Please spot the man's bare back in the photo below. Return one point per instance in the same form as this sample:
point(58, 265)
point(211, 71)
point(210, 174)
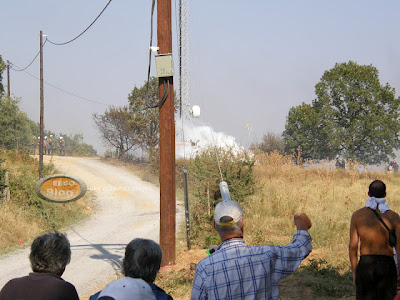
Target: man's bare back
point(374, 238)
point(374, 276)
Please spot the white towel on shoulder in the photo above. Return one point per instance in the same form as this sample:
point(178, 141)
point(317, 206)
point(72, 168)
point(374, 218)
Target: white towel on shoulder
point(373, 203)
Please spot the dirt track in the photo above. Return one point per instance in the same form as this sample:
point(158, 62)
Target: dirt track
point(127, 207)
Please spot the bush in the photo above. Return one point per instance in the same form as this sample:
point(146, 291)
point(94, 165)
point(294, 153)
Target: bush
point(25, 215)
point(204, 176)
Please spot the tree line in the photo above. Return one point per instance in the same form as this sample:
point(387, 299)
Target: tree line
point(18, 132)
point(352, 117)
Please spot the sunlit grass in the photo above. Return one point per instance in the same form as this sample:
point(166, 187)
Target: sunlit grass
point(328, 196)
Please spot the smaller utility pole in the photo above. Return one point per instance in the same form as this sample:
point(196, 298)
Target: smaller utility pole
point(41, 109)
point(8, 78)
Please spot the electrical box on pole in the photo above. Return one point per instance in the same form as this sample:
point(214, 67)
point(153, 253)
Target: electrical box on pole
point(164, 65)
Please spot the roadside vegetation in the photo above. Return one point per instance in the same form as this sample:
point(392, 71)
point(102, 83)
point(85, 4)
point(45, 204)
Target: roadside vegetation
point(272, 187)
point(24, 216)
point(353, 118)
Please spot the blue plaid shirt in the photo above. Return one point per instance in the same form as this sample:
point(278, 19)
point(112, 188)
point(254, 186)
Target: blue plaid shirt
point(238, 271)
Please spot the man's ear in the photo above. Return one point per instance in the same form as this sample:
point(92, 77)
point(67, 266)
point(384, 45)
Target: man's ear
point(384, 195)
point(369, 194)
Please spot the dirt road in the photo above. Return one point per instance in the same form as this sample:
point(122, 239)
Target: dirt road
point(126, 207)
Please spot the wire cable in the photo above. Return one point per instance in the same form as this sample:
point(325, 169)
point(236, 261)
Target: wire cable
point(23, 69)
point(60, 44)
point(64, 91)
point(166, 90)
point(163, 98)
point(146, 95)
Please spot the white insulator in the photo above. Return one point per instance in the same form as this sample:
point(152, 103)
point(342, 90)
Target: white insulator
point(196, 111)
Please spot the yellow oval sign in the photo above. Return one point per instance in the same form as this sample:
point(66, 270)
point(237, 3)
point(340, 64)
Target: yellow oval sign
point(60, 188)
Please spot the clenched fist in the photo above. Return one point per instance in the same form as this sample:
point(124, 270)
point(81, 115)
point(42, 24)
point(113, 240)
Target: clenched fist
point(302, 222)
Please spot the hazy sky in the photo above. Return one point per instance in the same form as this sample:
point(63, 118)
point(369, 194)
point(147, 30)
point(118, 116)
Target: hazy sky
point(249, 61)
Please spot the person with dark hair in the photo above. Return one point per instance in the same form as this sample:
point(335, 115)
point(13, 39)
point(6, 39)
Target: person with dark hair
point(143, 260)
point(50, 253)
point(377, 229)
point(238, 271)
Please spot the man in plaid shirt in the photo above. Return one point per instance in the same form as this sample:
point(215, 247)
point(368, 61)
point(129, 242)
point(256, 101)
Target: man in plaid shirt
point(238, 271)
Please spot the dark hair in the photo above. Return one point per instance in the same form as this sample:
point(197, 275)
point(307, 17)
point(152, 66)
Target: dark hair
point(377, 189)
point(50, 253)
point(142, 259)
point(105, 298)
point(234, 228)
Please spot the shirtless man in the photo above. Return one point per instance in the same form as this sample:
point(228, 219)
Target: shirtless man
point(375, 276)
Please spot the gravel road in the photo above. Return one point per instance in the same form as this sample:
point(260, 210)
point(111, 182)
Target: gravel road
point(126, 208)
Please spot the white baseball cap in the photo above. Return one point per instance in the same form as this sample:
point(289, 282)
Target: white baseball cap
point(127, 288)
point(228, 209)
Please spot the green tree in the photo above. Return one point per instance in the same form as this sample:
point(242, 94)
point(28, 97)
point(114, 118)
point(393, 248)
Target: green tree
point(145, 117)
point(353, 117)
point(304, 129)
point(270, 142)
point(2, 68)
point(16, 129)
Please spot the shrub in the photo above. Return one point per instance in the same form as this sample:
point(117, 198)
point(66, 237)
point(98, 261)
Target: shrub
point(204, 174)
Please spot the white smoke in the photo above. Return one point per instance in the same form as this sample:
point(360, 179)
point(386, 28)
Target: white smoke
point(201, 137)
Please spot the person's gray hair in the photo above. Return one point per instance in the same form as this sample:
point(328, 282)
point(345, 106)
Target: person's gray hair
point(142, 259)
point(233, 229)
point(50, 253)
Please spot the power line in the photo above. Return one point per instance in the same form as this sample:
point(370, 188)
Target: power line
point(60, 44)
point(146, 96)
point(23, 69)
point(64, 91)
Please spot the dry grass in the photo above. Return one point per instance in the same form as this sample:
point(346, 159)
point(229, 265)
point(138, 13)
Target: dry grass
point(25, 216)
point(19, 226)
point(142, 170)
point(327, 196)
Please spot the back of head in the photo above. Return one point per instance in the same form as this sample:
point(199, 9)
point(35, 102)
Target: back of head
point(228, 217)
point(50, 253)
point(127, 288)
point(377, 189)
point(142, 259)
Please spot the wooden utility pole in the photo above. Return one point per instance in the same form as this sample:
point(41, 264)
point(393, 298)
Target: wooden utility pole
point(41, 109)
point(8, 78)
point(167, 140)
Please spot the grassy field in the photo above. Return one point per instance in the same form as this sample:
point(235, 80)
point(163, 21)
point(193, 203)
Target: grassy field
point(327, 196)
